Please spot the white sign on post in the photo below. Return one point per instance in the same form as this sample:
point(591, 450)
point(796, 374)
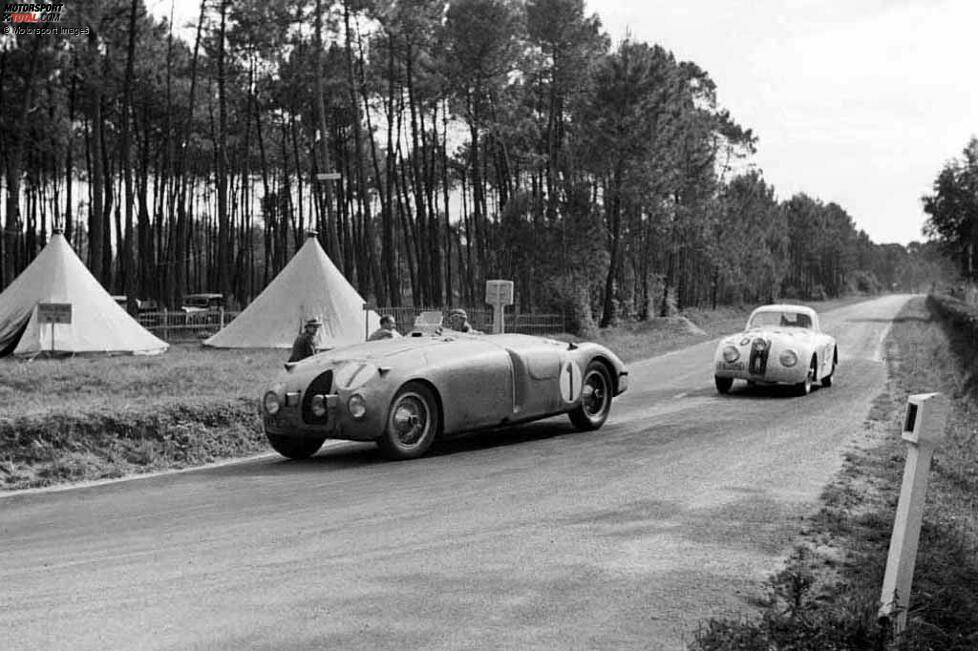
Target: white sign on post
point(499, 294)
point(54, 313)
point(327, 176)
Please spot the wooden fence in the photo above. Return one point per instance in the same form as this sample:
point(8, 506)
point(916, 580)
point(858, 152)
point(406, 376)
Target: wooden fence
point(177, 325)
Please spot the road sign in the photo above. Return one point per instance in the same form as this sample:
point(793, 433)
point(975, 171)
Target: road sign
point(499, 292)
point(328, 176)
point(54, 312)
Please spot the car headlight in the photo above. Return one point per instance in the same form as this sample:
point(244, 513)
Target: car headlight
point(731, 354)
point(357, 406)
point(272, 403)
point(788, 358)
point(318, 406)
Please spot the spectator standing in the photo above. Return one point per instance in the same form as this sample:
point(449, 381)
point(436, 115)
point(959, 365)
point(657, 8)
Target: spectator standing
point(305, 344)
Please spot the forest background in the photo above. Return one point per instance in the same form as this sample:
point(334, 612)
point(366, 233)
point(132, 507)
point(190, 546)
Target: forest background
point(432, 145)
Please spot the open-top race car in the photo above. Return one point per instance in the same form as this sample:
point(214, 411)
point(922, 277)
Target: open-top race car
point(782, 344)
point(404, 393)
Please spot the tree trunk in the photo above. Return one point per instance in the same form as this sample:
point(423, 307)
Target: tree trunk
point(126, 245)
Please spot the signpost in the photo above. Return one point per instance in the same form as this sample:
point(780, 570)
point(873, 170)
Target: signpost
point(499, 294)
point(923, 430)
point(53, 313)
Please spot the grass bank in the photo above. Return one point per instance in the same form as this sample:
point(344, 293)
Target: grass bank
point(827, 595)
point(88, 418)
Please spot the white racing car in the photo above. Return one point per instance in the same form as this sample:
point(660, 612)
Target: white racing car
point(782, 344)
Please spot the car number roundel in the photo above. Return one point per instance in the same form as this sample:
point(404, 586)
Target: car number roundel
point(570, 381)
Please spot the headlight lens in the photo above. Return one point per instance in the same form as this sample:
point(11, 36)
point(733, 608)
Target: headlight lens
point(318, 406)
point(788, 358)
point(272, 403)
point(357, 405)
point(731, 354)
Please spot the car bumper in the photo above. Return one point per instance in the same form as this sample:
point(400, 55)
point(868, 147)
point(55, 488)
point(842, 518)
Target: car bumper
point(773, 374)
point(338, 423)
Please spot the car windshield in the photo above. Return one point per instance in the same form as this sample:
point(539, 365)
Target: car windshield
point(780, 319)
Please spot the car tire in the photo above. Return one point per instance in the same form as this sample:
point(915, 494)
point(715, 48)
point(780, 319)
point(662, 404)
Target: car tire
point(723, 384)
point(827, 380)
point(295, 447)
point(413, 422)
point(595, 398)
point(805, 387)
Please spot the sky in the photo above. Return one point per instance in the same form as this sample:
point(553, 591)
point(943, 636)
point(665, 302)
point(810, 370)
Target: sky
point(860, 103)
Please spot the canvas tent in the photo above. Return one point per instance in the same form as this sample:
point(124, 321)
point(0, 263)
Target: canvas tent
point(98, 324)
point(309, 286)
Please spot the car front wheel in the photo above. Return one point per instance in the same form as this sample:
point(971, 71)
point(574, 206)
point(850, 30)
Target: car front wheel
point(413, 422)
point(805, 387)
point(723, 383)
point(827, 380)
point(595, 398)
point(294, 447)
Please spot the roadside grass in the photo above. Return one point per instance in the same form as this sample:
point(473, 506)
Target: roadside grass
point(827, 594)
point(87, 418)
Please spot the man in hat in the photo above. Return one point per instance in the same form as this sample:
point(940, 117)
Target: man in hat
point(458, 320)
point(305, 344)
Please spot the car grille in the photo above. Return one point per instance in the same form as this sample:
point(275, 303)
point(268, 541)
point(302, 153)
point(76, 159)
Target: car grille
point(321, 385)
point(759, 350)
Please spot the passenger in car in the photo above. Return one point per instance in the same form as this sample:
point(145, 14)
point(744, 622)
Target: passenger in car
point(458, 320)
point(387, 329)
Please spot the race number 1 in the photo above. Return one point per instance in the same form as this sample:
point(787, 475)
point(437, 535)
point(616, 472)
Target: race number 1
point(570, 381)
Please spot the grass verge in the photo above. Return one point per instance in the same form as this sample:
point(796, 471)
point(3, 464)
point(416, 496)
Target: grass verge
point(89, 418)
point(827, 595)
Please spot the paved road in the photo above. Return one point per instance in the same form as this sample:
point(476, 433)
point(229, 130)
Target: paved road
point(540, 537)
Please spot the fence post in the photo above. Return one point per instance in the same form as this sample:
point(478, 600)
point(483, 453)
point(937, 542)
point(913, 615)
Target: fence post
point(923, 430)
point(166, 324)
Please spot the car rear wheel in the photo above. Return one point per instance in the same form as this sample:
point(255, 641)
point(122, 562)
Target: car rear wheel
point(595, 398)
point(805, 387)
point(827, 380)
point(723, 383)
point(413, 422)
point(294, 447)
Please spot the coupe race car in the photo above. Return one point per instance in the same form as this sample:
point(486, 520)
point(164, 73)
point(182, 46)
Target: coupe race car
point(782, 344)
point(404, 393)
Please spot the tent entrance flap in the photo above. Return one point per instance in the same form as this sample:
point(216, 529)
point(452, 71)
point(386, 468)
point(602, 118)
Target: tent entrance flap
point(10, 344)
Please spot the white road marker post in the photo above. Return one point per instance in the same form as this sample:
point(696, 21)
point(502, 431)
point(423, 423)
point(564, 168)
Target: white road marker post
point(923, 430)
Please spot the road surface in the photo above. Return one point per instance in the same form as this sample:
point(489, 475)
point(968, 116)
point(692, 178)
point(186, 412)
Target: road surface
point(538, 537)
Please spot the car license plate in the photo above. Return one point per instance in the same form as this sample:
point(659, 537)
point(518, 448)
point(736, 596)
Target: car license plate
point(730, 366)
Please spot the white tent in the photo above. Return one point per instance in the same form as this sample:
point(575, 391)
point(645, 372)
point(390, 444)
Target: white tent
point(309, 286)
point(98, 324)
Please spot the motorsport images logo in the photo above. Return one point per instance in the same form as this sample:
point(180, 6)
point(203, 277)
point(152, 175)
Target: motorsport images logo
point(26, 13)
